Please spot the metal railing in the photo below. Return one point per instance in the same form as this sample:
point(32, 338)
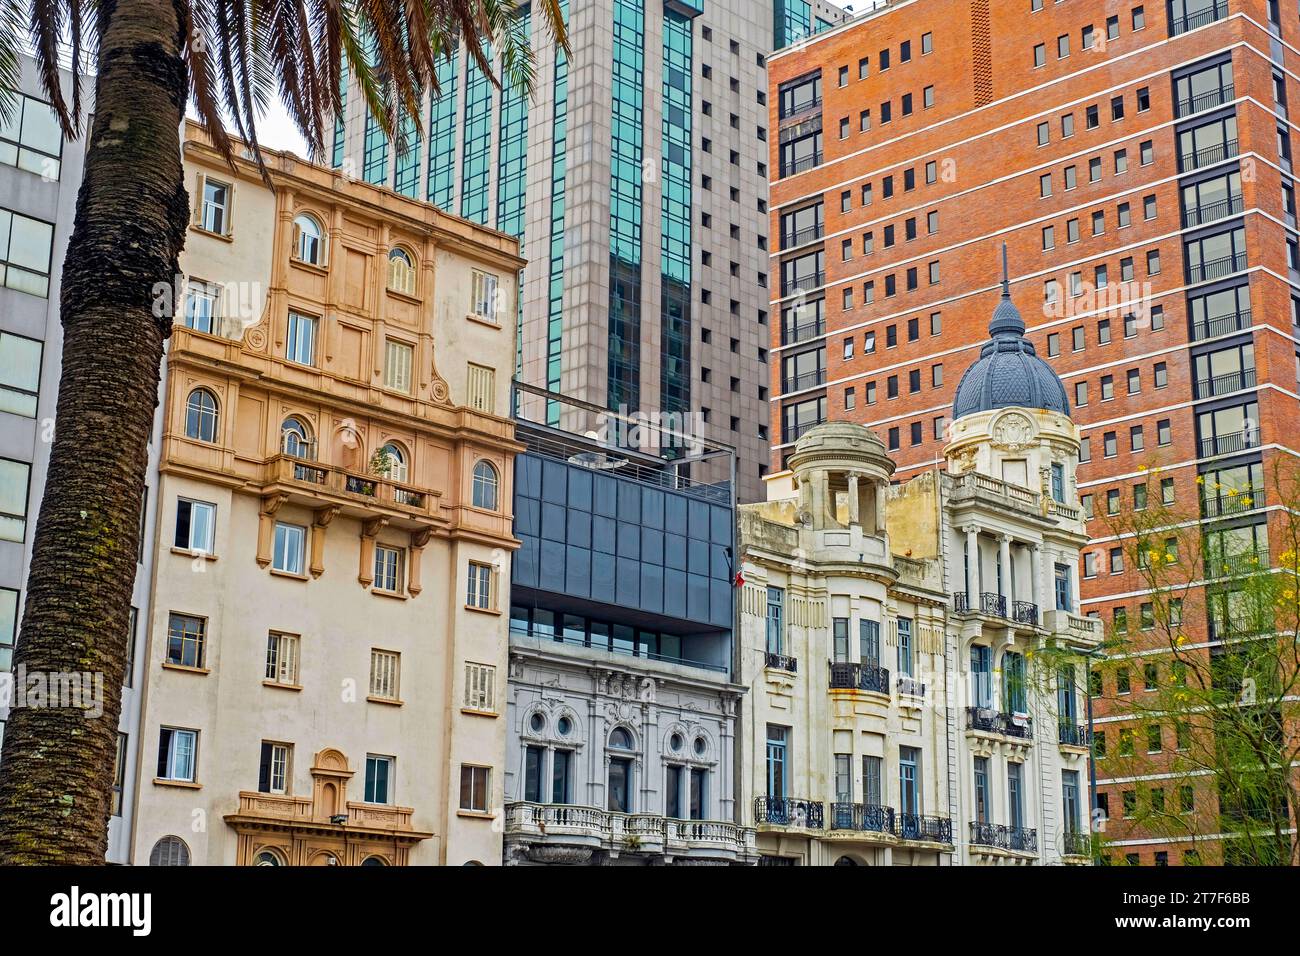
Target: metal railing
point(789, 812)
point(791, 433)
point(866, 817)
point(1199, 215)
point(847, 675)
point(1231, 565)
point(915, 826)
point(796, 383)
point(990, 721)
point(1076, 842)
point(638, 650)
point(1229, 444)
point(1073, 735)
point(644, 831)
point(1221, 325)
point(803, 283)
point(800, 110)
point(1216, 268)
point(797, 332)
point(801, 164)
point(797, 237)
point(1204, 101)
point(782, 662)
point(1207, 155)
point(1024, 612)
point(961, 602)
point(1199, 18)
point(910, 686)
point(1020, 839)
point(1223, 384)
point(1234, 502)
point(994, 605)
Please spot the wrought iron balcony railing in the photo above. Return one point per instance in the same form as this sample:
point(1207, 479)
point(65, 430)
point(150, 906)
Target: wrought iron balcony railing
point(1198, 18)
point(1230, 565)
point(1074, 735)
point(789, 812)
point(1232, 502)
point(1024, 612)
point(995, 605)
point(783, 662)
point(801, 164)
point(865, 817)
point(1230, 443)
point(846, 675)
point(803, 283)
point(1212, 211)
point(915, 826)
point(797, 237)
point(1221, 325)
point(1223, 384)
point(1204, 101)
point(1076, 842)
point(1216, 268)
point(1021, 839)
point(795, 332)
point(991, 721)
point(797, 383)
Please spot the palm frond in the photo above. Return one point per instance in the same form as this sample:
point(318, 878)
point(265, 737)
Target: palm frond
point(13, 35)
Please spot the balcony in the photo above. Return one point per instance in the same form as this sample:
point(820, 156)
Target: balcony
point(1213, 211)
point(1198, 18)
point(1205, 101)
point(791, 433)
point(566, 833)
point(358, 493)
point(1232, 502)
point(800, 165)
point(1080, 631)
point(1216, 268)
point(799, 237)
point(1014, 839)
point(1207, 156)
point(974, 486)
point(1062, 510)
point(1076, 843)
point(781, 662)
point(805, 283)
point(1230, 443)
point(851, 676)
point(1226, 383)
point(862, 818)
point(789, 812)
point(988, 721)
point(1235, 565)
point(993, 605)
point(797, 383)
point(1024, 612)
point(1221, 325)
point(914, 826)
point(1070, 734)
point(795, 332)
point(910, 686)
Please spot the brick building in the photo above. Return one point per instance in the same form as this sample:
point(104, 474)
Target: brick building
point(1135, 157)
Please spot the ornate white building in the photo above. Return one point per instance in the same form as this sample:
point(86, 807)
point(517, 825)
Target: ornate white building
point(946, 724)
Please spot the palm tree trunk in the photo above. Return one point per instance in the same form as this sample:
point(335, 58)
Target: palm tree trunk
point(56, 785)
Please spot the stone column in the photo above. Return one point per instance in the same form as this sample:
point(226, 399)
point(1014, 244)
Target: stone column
point(854, 504)
point(972, 565)
point(1004, 566)
point(1036, 579)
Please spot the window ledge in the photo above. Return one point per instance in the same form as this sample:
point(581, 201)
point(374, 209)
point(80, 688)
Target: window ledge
point(222, 236)
point(289, 574)
point(396, 596)
point(281, 686)
point(476, 814)
point(475, 712)
point(404, 296)
point(181, 784)
point(191, 553)
point(309, 266)
point(169, 666)
point(390, 701)
point(475, 317)
point(483, 610)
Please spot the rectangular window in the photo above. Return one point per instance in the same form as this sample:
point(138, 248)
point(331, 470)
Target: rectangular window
point(909, 785)
point(201, 307)
point(290, 545)
point(25, 246)
point(480, 687)
point(389, 569)
point(20, 374)
point(8, 627)
point(482, 388)
point(474, 788)
point(186, 640)
point(480, 591)
point(775, 620)
point(379, 779)
point(31, 139)
point(385, 674)
point(397, 365)
point(485, 304)
point(282, 658)
point(195, 526)
point(273, 774)
point(905, 646)
point(177, 754)
point(300, 347)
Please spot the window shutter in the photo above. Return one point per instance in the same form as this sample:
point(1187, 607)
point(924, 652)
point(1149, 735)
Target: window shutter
point(164, 746)
point(296, 252)
point(197, 211)
point(264, 770)
point(482, 388)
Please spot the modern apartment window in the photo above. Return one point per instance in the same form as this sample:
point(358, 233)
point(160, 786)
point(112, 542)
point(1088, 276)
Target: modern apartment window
point(1139, 497)
point(1110, 443)
point(31, 139)
point(1153, 262)
point(282, 658)
point(398, 357)
point(1112, 501)
point(1085, 450)
point(215, 212)
point(886, 112)
point(273, 773)
point(1139, 18)
point(1099, 227)
point(1067, 125)
point(844, 76)
point(1040, 55)
point(1126, 274)
point(1053, 344)
point(300, 345)
point(1089, 564)
point(934, 273)
point(385, 674)
point(1049, 238)
point(1094, 175)
point(1044, 134)
point(906, 104)
point(1062, 46)
point(1164, 432)
point(379, 777)
point(1077, 342)
point(1146, 152)
point(1134, 377)
point(927, 97)
point(1070, 177)
point(186, 640)
point(389, 569)
point(1086, 502)
point(177, 754)
point(9, 627)
point(25, 245)
point(1116, 108)
point(20, 374)
point(1116, 560)
point(486, 303)
point(1166, 491)
point(1121, 163)
point(195, 525)
point(290, 547)
point(201, 307)
point(1072, 230)
point(1148, 207)
point(1155, 739)
point(480, 590)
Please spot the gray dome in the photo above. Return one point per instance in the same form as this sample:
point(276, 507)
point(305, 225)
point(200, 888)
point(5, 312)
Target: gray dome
point(1008, 372)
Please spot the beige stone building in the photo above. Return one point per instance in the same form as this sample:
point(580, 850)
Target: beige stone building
point(327, 644)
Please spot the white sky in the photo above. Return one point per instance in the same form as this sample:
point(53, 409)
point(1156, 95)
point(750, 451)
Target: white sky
point(274, 130)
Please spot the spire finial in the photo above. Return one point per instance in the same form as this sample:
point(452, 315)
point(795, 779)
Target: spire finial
point(1006, 320)
point(1006, 281)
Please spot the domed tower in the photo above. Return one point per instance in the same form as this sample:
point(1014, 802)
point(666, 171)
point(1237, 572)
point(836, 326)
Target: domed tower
point(1011, 418)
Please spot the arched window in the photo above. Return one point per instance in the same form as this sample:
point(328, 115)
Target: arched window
point(308, 245)
point(620, 739)
point(485, 486)
point(401, 271)
point(397, 467)
point(170, 851)
point(374, 861)
point(201, 415)
point(619, 789)
point(268, 858)
point(295, 439)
